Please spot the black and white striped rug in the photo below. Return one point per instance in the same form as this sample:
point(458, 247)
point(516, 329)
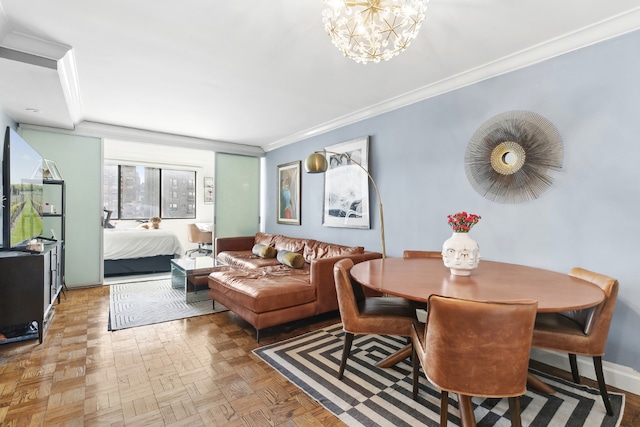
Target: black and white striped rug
point(156, 301)
point(370, 396)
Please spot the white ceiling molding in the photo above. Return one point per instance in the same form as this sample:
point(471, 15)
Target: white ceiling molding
point(604, 30)
point(34, 46)
point(4, 24)
point(69, 82)
point(101, 130)
point(57, 57)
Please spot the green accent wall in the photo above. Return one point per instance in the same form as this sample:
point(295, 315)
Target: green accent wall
point(237, 195)
point(79, 160)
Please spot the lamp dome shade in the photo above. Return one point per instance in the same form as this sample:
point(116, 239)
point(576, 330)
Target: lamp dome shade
point(316, 163)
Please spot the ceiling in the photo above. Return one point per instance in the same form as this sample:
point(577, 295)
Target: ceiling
point(261, 73)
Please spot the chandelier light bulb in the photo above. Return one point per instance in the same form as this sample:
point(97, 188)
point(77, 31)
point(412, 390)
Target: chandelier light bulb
point(373, 30)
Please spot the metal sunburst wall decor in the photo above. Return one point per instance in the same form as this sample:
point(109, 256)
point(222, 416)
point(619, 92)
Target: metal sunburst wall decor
point(511, 157)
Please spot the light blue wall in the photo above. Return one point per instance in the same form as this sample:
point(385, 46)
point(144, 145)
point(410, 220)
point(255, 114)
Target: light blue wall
point(587, 218)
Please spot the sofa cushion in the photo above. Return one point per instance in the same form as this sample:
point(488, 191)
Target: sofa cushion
point(290, 259)
point(264, 251)
point(265, 239)
point(245, 259)
point(316, 249)
point(290, 244)
point(265, 289)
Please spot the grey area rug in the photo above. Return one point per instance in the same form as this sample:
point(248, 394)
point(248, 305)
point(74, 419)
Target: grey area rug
point(370, 396)
point(145, 303)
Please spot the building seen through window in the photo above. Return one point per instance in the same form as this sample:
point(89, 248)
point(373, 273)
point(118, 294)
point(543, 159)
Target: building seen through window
point(140, 192)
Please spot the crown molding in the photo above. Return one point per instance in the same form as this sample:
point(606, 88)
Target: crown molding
point(613, 27)
point(121, 133)
point(34, 45)
point(68, 74)
point(35, 51)
point(5, 27)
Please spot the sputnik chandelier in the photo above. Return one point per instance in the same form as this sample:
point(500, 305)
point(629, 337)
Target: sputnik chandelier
point(373, 30)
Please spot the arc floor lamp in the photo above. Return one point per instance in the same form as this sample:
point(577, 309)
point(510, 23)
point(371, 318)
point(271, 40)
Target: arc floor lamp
point(317, 163)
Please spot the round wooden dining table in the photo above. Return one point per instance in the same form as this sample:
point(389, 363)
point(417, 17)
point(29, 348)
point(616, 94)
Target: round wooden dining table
point(418, 278)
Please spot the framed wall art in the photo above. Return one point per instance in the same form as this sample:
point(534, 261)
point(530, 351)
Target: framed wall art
point(208, 190)
point(289, 182)
point(346, 185)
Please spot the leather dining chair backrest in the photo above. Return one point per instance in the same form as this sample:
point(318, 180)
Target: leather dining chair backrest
point(362, 314)
point(479, 348)
point(348, 297)
point(421, 254)
point(553, 333)
point(583, 332)
point(600, 315)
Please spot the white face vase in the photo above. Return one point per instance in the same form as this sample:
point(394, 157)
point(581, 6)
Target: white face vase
point(461, 254)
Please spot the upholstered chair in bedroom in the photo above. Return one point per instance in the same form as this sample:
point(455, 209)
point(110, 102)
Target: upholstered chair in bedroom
point(202, 238)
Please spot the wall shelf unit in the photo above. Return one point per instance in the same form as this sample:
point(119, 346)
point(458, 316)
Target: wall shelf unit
point(54, 217)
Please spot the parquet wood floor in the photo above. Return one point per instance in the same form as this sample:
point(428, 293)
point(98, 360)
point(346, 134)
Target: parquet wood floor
point(196, 372)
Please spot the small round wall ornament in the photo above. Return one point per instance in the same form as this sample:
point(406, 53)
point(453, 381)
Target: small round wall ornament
point(511, 158)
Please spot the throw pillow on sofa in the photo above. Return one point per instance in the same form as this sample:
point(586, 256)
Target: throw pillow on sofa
point(290, 259)
point(263, 251)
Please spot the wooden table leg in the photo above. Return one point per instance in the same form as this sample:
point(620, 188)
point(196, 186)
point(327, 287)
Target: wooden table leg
point(537, 384)
point(395, 358)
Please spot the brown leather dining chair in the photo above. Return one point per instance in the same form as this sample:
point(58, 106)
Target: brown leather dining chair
point(475, 348)
point(368, 315)
point(421, 254)
point(581, 332)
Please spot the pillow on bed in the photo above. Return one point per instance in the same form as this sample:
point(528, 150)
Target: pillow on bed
point(291, 259)
point(264, 251)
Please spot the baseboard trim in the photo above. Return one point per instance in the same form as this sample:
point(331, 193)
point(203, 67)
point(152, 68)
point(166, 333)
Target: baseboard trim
point(618, 376)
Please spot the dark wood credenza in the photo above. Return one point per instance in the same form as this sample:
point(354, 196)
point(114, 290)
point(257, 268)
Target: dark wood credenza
point(30, 283)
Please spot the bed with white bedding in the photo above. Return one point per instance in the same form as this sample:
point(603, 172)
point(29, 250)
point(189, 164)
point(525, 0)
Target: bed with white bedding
point(136, 251)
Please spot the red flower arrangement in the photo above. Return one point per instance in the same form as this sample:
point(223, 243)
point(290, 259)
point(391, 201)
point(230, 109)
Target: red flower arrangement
point(462, 221)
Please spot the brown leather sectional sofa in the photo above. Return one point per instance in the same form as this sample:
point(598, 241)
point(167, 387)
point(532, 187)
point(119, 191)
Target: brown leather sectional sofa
point(267, 293)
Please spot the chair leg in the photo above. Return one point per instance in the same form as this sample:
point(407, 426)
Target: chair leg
point(467, 418)
point(444, 408)
point(348, 340)
point(415, 363)
point(514, 409)
point(574, 368)
point(597, 365)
